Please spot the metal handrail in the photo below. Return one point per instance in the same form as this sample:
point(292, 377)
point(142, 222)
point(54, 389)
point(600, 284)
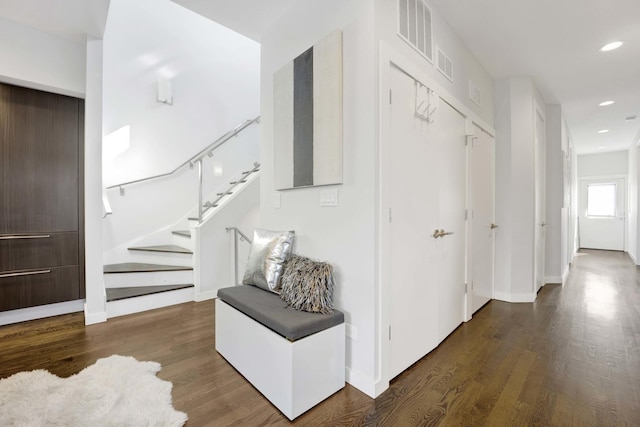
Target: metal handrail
point(236, 232)
point(209, 205)
point(208, 151)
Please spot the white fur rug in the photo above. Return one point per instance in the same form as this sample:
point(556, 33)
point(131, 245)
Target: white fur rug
point(115, 391)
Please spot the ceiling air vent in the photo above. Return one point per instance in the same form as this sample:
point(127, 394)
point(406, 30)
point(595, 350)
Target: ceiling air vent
point(445, 66)
point(474, 93)
point(414, 26)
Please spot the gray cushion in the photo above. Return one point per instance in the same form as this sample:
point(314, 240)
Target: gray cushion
point(268, 309)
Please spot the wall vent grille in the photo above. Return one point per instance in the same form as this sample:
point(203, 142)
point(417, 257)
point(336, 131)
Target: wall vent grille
point(414, 26)
point(474, 93)
point(445, 66)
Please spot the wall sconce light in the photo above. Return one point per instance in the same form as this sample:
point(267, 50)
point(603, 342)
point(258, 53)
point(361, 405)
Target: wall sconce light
point(165, 94)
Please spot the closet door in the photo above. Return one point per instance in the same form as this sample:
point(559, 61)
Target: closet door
point(427, 185)
point(41, 249)
point(451, 167)
point(413, 259)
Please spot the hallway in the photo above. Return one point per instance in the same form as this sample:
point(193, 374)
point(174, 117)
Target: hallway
point(570, 358)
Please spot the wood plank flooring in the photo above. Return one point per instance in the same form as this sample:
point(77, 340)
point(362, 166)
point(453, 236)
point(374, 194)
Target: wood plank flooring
point(572, 358)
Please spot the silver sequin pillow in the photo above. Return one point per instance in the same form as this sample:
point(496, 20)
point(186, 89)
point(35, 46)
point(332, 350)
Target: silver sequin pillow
point(269, 251)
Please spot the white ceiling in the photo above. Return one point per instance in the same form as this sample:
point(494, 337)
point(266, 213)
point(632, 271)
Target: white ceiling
point(554, 41)
point(557, 43)
point(71, 19)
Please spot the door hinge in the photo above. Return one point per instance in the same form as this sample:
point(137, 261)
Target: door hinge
point(389, 96)
point(389, 332)
point(466, 214)
point(389, 214)
point(466, 288)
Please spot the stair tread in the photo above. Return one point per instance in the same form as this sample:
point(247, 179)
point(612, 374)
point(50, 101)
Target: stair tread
point(140, 267)
point(184, 233)
point(115, 294)
point(163, 248)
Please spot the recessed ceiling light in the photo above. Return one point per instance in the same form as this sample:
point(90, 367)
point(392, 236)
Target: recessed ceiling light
point(605, 103)
point(601, 148)
point(603, 131)
point(610, 46)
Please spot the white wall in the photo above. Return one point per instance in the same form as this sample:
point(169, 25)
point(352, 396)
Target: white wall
point(42, 61)
point(214, 74)
point(515, 100)
point(603, 164)
point(465, 66)
point(345, 235)
point(631, 239)
point(95, 309)
point(214, 263)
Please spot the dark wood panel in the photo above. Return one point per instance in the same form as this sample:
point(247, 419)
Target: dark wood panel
point(58, 249)
point(39, 160)
point(81, 222)
point(58, 285)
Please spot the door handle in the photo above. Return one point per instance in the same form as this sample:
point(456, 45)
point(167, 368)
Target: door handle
point(542, 224)
point(492, 226)
point(440, 233)
point(24, 273)
point(24, 236)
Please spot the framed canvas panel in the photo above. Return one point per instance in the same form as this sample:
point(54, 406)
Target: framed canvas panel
point(307, 137)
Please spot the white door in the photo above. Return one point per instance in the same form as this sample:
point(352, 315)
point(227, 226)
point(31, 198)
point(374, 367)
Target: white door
point(483, 227)
point(426, 194)
point(451, 167)
point(540, 214)
point(602, 214)
point(413, 261)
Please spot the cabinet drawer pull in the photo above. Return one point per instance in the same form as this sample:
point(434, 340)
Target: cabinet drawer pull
point(24, 273)
point(25, 236)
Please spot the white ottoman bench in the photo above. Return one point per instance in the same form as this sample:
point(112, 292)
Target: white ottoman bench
point(294, 358)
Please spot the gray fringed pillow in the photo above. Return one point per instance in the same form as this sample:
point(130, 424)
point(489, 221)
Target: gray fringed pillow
point(307, 285)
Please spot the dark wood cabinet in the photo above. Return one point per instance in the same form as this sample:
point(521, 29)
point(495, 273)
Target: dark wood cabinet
point(41, 198)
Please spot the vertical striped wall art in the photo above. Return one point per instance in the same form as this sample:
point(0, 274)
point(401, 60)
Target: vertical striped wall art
point(307, 136)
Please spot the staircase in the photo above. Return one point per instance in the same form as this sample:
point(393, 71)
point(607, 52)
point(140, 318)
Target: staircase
point(162, 270)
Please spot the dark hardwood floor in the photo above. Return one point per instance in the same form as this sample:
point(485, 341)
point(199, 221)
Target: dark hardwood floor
point(572, 358)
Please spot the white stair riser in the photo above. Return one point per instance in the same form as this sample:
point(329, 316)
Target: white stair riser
point(123, 280)
point(148, 302)
point(149, 257)
point(185, 242)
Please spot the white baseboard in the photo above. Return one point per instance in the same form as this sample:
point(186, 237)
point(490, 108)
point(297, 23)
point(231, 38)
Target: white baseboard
point(93, 318)
point(204, 296)
point(509, 297)
point(552, 279)
point(633, 257)
point(41, 311)
point(148, 302)
point(565, 275)
point(364, 383)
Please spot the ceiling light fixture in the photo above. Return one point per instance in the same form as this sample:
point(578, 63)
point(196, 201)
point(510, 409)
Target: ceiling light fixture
point(610, 46)
point(603, 131)
point(605, 103)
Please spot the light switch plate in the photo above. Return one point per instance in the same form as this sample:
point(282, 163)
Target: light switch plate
point(329, 198)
